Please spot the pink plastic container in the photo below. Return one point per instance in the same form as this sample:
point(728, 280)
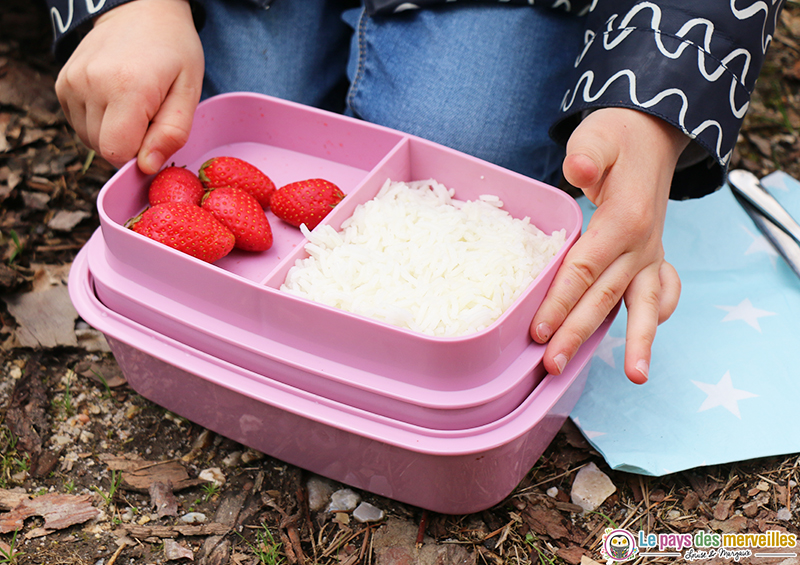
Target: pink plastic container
point(291, 142)
point(448, 471)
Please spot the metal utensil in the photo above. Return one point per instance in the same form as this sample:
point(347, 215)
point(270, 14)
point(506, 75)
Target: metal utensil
point(768, 215)
point(748, 185)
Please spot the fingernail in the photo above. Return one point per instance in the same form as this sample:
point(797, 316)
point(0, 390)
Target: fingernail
point(153, 162)
point(543, 331)
point(643, 367)
point(561, 362)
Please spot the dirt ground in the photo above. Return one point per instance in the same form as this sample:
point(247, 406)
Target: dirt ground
point(86, 464)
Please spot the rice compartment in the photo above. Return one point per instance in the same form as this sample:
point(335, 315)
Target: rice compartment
point(417, 258)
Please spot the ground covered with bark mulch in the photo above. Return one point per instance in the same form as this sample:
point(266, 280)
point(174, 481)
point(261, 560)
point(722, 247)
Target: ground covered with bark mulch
point(92, 473)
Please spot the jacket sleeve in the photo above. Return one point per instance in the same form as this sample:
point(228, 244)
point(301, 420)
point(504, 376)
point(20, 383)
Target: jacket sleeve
point(693, 63)
point(72, 19)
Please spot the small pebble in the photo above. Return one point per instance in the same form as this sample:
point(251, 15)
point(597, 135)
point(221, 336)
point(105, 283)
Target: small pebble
point(366, 512)
point(344, 500)
point(319, 493)
point(591, 487)
point(193, 518)
point(552, 492)
point(214, 475)
point(251, 455)
point(784, 514)
point(233, 459)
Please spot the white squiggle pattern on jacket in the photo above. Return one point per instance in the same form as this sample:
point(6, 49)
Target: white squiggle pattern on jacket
point(752, 11)
point(587, 95)
point(614, 37)
point(59, 26)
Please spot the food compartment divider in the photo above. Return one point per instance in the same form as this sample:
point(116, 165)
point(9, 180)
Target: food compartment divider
point(288, 141)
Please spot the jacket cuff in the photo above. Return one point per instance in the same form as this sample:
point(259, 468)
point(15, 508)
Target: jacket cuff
point(72, 20)
point(691, 75)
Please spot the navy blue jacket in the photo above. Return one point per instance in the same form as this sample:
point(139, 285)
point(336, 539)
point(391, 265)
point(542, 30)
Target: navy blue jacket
point(693, 63)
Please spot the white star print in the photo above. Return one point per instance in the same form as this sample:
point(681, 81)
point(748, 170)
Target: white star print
point(723, 394)
point(779, 181)
point(605, 350)
point(746, 312)
point(761, 244)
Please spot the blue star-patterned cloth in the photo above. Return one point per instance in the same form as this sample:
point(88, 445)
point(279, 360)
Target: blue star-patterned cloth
point(725, 372)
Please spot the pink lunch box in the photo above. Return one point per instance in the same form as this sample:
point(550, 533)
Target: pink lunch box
point(223, 346)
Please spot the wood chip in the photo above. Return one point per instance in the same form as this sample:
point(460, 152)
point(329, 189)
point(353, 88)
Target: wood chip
point(142, 532)
point(10, 499)
point(58, 510)
point(26, 416)
point(66, 220)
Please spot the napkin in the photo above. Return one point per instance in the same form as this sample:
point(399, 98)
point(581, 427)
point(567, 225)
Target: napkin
point(725, 372)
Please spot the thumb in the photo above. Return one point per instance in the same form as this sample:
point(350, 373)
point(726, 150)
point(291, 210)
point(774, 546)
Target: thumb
point(590, 155)
point(169, 129)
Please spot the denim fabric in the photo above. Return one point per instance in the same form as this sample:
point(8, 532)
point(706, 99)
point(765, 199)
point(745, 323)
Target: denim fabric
point(292, 50)
point(484, 79)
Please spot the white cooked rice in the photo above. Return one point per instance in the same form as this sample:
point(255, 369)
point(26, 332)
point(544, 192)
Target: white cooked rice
point(416, 258)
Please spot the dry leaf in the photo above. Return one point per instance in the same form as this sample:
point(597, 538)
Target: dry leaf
point(174, 551)
point(140, 475)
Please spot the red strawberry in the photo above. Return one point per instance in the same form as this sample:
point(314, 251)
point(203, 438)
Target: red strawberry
point(231, 171)
point(240, 212)
point(185, 227)
point(175, 184)
point(305, 202)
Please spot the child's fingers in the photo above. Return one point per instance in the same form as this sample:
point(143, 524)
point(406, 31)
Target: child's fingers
point(581, 268)
point(586, 316)
point(670, 291)
point(169, 129)
point(651, 298)
point(643, 299)
point(590, 155)
point(125, 122)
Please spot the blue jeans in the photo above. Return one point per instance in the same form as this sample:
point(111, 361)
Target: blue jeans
point(485, 79)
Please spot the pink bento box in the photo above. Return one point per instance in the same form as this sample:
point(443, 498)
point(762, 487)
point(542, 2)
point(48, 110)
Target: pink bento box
point(291, 142)
point(449, 424)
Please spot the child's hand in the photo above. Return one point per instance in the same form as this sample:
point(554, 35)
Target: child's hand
point(623, 161)
point(132, 84)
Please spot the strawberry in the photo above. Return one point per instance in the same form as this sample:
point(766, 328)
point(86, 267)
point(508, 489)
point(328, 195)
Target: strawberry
point(175, 184)
point(185, 227)
point(232, 171)
point(305, 202)
point(241, 213)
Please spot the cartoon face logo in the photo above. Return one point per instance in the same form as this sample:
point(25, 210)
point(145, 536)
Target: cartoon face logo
point(619, 545)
